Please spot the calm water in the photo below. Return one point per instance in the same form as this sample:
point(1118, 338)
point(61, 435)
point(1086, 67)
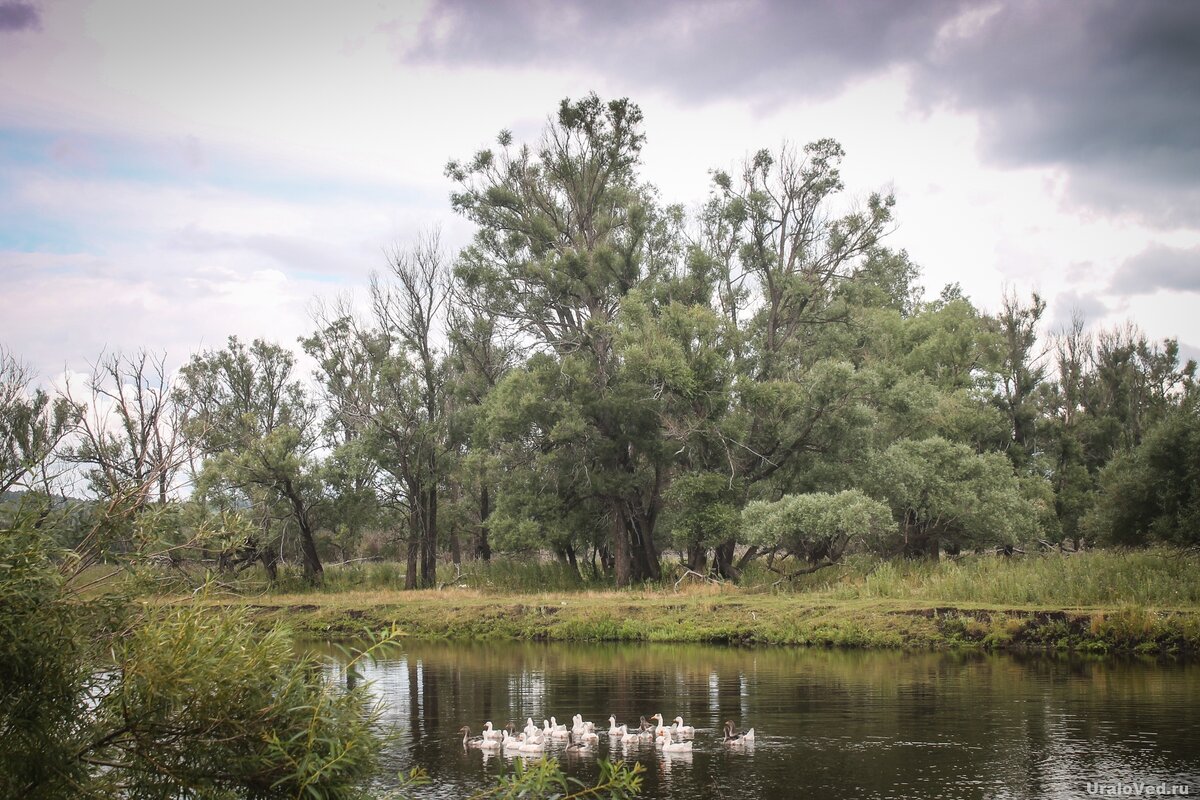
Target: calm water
point(828, 724)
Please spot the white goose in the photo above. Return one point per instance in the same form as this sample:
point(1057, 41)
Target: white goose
point(613, 728)
point(550, 732)
point(511, 742)
point(491, 733)
point(675, 747)
point(686, 730)
point(660, 730)
point(533, 745)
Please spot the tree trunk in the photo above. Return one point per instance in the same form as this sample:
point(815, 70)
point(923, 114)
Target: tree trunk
point(723, 560)
point(429, 539)
point(752, 552)
point(270, 562)
point(313, 570)
point(697, 557)
point(455, 548)
point(606, 560)
point(414, 544)
point(482, 548)
point(308, 546)
point(620, 545)
point(644, 527)
point(920, 542)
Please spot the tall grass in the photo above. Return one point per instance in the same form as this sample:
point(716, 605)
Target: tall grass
point(502, 575)
point(1164, 578)
point(1159, 577)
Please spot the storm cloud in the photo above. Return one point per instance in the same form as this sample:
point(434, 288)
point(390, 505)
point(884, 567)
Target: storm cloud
point(1158, 267)
point(1107, 90)
point(698, 51)
point(19, 17)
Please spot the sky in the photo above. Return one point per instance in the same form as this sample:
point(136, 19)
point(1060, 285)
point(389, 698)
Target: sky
point(172, 173)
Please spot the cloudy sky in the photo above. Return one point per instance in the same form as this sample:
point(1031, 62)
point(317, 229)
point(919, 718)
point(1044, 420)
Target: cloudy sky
point(175, 172)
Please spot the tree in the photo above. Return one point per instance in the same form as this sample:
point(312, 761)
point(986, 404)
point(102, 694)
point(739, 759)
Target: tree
point(944, 493)
point(816, 528)
point(1152, 492)
point(565, 233)
point(387, 381)
point(258, 429)
point(1110, 390)
point(1022, 371)
point(786, 262)
point(798, 252)
point(32, 425)
point(130, 434)
point(481, 354)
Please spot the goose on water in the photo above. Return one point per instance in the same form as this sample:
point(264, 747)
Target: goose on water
point(686, 730)
point(534, 745)
point(577, 745)
point(627, 737)
point(478, 741)
point(613, 728)
point(492, 733)
point(675, 747)
point(660, 730)
point(734, 738)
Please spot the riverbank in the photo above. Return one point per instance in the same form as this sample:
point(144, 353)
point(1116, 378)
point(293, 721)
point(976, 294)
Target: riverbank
point(732, 617)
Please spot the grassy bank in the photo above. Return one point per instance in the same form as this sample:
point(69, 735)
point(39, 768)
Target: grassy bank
point(733, 618)
point(1146, 601)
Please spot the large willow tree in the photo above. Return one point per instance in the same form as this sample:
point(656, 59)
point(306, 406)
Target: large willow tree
point(566, 232)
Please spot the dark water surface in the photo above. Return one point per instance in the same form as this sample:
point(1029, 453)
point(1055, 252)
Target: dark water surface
point(828, 723)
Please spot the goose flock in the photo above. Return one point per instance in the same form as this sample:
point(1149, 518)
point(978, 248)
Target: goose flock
point(582, 737)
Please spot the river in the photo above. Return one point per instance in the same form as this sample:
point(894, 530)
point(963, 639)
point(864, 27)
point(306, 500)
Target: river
point(835, 724)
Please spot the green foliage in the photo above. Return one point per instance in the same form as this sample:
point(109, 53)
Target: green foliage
point(702, 509)
point(44, 675)
point(32, 424)
point(544, 780)
point(601, 375)
point(252, 419)
point(940, 490)
point(179, 700)
point(205, 703)
point(1152, 493)
point(816, 528)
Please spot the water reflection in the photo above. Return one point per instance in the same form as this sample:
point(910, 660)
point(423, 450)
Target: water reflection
point(845, 724)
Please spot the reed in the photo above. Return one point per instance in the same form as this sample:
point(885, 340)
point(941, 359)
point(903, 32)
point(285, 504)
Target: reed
point(1160, 578)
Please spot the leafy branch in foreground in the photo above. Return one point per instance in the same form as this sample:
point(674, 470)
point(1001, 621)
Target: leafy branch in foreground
point(541, 780)
point(544, 780)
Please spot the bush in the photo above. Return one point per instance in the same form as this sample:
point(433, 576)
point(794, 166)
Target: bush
point(178, 701)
